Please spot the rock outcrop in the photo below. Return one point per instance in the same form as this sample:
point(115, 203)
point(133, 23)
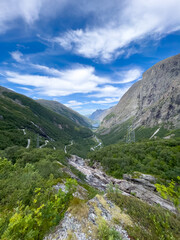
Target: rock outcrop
point(141, 187)
point(151, 101)
point(83, 218)
point(81, 222)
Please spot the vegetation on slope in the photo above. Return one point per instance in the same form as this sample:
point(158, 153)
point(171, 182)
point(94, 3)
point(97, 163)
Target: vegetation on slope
point(149, 222)
point(119, 132)
point(157, 157)
point(19, 112)
point(65, 111)
point(29, 204)
point(27, 199)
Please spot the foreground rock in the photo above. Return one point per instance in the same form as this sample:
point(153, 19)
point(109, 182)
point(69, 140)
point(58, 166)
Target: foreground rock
point(81, 222)
point(141, 187)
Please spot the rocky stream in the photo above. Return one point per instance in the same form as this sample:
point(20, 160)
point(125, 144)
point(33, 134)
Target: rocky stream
point(81, 223)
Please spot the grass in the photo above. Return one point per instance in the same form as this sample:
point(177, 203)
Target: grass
point(92, 192)
point(105, 232)
point(150, 222)
point(78, 208)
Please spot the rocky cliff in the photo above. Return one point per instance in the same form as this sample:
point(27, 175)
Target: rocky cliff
point(152, 101)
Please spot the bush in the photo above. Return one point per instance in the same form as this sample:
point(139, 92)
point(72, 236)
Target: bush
point(150, 222)
point(105, 232)
point(160, 158)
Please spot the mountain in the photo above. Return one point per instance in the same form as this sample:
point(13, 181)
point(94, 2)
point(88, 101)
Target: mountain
point(22, 118)
point(98, 115)
point(151, 102)
point(65, 111)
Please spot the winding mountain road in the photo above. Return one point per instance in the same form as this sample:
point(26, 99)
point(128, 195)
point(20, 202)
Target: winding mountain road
point(46, 142)
point(28, 144)
point(65, 148)
point(98, 145)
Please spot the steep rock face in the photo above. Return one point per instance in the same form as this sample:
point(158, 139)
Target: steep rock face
point(153, 100)
point(125, 109)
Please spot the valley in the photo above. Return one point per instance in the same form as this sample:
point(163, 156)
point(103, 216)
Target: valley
point(62, 179)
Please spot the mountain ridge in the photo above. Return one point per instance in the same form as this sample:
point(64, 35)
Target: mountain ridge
point(65, 111)
point(154, 100)
point(19, 112)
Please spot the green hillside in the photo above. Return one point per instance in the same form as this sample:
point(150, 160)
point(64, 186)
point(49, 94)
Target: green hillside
point(157, 157)
point(119, 133)
point(18, 112)
point(65, 111)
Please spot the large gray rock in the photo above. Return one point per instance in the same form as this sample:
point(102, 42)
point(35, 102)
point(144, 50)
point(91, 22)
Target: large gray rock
point(151, 101)
point(140, 188)
point(146, 195)
point(84, 226)
point(143, 179)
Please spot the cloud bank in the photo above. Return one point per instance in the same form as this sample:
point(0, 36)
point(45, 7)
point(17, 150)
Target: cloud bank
point(135, 21)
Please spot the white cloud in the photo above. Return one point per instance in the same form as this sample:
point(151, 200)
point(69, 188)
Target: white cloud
point(74, 104)
point(14, 9)
point(27, 10)
point(26, 89)
point(136, 20)
point(109, 91)
point(106, 100)
point(18, 56)
point(129, 75)
point(51, 71)
point(80, 79)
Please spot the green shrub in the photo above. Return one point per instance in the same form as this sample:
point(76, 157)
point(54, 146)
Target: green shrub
point(105, 232)
point(171, 192)
point(156, 157)
point(150, 222)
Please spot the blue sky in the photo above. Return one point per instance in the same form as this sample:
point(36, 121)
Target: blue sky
point(84, 54)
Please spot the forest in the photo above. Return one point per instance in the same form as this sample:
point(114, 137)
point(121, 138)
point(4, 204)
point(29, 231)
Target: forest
point(157, 157)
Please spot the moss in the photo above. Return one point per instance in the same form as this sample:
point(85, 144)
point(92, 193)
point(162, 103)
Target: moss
point(71, 236)
point(136, 174)
point(96, 209)
point(78, 208)
point(103, 201)
point(120, 217)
